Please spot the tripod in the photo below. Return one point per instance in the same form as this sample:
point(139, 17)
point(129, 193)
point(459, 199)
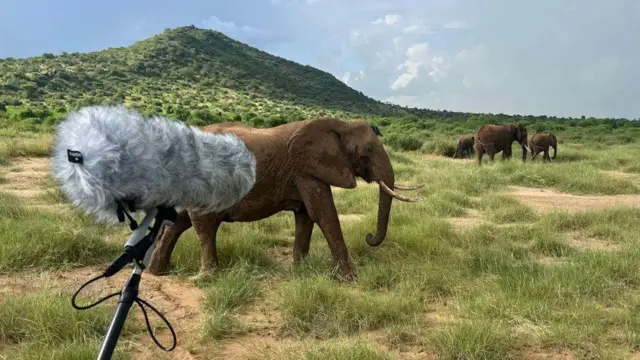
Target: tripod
point(137, 249)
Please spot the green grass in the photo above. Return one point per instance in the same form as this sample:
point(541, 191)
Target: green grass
point(341, 351)
point(35, 239)
point(318, 307)
point(226, 294)
point(517, 281)
point(12, 147)
point(42, 325)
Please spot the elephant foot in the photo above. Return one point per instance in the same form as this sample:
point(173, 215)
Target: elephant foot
point(160, 267)
point(345, 273)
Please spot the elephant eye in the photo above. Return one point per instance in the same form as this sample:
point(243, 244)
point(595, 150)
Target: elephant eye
point(368, 148)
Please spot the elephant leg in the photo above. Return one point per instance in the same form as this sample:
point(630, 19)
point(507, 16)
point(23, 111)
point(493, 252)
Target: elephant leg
point(479, 154)
point(304, 228)
point(535, 153)
point(546, 155)
point(492, 154)
point(166, 243)
point(506, 153)
point(318, 200)
point(206, 227)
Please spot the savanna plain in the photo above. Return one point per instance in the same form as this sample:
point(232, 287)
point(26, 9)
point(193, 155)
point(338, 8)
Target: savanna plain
point(508, 260)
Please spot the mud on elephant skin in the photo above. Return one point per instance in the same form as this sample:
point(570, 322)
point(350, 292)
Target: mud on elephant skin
point(492, 139)
point(464, 144)
point(296, 165)
point(540, 142)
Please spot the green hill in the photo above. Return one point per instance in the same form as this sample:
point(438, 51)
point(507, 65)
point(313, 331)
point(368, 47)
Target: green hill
point(203, 76)
point(187, 67)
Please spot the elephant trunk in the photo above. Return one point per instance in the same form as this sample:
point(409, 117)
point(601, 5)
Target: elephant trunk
point(383, 173)
point(384, 212)
point(524, 147)
point(555, 152)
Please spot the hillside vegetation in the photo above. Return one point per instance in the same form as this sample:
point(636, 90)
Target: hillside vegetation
point(510, 260)
point(202, 76)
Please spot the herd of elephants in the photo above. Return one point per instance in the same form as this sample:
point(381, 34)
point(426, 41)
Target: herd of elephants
point(491, 139)
point(297, 164)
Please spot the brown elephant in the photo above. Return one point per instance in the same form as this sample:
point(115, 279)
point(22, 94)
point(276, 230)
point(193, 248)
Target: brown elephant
point(540, 142)
point(492, 139)
point(464, 143)
point(296, 165)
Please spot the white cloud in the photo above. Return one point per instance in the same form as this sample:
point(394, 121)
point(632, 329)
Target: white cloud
point(345, 77)
point(561, 57)
point(242, 32)
point(417, 57)
point(389, 19)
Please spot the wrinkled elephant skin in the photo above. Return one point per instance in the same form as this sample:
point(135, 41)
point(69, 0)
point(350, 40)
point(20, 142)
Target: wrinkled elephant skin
point(297, 163)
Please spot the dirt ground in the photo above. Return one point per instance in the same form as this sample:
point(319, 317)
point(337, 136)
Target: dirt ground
point(179, 299)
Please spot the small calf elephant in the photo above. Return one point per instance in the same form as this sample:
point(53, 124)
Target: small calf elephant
point(540, 142)
point(464, 143)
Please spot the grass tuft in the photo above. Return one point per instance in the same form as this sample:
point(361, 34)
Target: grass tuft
point(226, 293)
point(41, 324)
point(318, 307)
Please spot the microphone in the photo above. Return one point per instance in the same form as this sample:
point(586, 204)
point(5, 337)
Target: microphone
point(108, 156)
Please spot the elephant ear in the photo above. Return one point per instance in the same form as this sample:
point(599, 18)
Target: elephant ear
point(515, 132)
point(316, 149)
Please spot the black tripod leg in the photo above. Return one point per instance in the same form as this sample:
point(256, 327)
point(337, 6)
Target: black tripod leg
point(127, 298)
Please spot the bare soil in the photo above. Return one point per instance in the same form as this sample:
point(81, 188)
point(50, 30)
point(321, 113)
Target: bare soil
point(549, 199)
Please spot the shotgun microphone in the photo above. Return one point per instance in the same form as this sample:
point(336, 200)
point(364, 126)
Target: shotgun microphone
point(107, 156)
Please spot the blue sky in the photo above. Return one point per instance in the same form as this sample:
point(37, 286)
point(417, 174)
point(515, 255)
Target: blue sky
point(554, 57)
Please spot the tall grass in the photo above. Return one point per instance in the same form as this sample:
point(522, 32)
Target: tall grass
point(31, 238)
point(516, 281)
point(42, 325)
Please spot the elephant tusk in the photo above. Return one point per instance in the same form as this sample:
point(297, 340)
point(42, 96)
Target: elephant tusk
point(409, 187)
point(392, 193)
point(526, 147)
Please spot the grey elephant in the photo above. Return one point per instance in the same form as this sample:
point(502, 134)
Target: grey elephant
point(495, 138)
point(464, 144)
point(540, 142)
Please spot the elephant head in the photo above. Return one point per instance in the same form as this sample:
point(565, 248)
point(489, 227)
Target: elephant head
point(336, 151)
point(519, 133)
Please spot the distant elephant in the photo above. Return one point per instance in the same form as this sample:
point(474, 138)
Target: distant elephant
point(297, 163)
point(464, 143)
point(540, 142)
point(492, 139)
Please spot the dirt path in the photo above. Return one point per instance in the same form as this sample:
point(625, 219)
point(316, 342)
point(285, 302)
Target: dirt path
point(548, 199)
point(177, 299)
point(26, 176)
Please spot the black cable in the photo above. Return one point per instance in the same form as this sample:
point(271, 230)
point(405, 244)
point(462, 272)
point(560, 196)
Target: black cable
point(146, 319)
point(138, 301)
point(73, 298)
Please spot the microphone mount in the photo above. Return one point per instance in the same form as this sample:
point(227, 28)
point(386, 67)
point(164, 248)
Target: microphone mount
point(137, 250)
